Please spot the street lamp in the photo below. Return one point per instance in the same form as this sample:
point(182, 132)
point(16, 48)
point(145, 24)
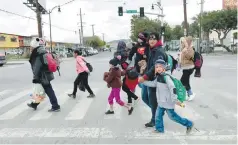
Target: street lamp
point(50, 11)
point(162, 19)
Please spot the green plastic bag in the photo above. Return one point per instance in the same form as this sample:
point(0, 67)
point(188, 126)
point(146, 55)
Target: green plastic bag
point(180, 89)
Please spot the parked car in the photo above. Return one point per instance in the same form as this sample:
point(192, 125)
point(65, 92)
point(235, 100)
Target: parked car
point(95, 51)
point(2, 59)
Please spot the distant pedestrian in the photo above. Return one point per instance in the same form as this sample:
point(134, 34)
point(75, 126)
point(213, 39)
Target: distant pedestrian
point(166, 98)
point(83, 72)
point(187, 64)
point(113, 79)
point(41, 74)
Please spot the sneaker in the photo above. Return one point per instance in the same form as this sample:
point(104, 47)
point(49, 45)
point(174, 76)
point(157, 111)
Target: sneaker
point(191, 97)
point(189, 129)
point(72, 95)
point(149, 124)
point(54, 110)
point(136, 101)
point(91, 96)
point(156, 131)
point(130, 111)
point(109, 112)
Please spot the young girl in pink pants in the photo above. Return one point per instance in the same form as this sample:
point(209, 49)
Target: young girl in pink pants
point(113, 79)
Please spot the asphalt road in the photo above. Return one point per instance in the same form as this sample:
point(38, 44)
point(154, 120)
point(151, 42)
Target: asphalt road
point(82, 120)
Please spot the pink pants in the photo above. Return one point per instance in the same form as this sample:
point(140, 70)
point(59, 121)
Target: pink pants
point(115, 93)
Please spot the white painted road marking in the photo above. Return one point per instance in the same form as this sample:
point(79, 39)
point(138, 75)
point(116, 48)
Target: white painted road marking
point(14, 98)
point(107, 134)
point(12, 113)
point(4, 92)
point(81, 108)
point(44, 114)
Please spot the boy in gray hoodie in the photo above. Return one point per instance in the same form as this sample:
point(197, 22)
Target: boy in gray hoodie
point(166, 98)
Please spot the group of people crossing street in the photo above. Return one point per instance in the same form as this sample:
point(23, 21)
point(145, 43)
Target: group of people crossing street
point(152, 70)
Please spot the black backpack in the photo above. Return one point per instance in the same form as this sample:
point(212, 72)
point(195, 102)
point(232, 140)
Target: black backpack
point(132, 73)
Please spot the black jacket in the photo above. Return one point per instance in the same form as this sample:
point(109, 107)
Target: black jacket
point(154, 54)
point(39, 67)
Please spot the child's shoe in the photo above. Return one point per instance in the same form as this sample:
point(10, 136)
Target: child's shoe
point(109, 112)
point(156, 131)
point(130, 111)
point(136, 101)
point(191, 97)
point(189, 129)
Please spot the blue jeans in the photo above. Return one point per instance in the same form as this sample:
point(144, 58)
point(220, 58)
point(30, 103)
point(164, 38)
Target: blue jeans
point(145, 94)
point(159, 123)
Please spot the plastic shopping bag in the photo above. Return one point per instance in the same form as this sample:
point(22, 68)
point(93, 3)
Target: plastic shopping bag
point(38, 94)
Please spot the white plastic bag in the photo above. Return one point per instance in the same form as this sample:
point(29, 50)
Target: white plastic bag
point(38, 94)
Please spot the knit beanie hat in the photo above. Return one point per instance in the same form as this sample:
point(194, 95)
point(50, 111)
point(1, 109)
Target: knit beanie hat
point(161, 62)
point(36, 42)
point(114, 62)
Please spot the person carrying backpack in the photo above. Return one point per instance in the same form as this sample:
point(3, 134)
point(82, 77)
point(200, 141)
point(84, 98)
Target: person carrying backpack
point(82, 71)
point(43, 65)
point(187, 64)
point(166, 94)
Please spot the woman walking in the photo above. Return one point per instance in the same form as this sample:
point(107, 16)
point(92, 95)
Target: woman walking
point(187, 64)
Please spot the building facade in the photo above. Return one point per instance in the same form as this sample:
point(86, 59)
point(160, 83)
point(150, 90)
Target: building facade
point(9, 41)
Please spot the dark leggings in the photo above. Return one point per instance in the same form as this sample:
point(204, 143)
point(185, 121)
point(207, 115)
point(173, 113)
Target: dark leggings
point(185, 79)
point(130, 94)
point(84, 78)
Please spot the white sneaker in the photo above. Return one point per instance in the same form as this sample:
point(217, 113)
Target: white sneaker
point(191, 97)
point(136, 101)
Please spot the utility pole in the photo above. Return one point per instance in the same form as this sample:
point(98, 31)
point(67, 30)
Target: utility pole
point(38, 15)
point(185, 18)
point(81, 23)
point(80, 37)
point(93, 29)
point(162, 19)
point(200, 27)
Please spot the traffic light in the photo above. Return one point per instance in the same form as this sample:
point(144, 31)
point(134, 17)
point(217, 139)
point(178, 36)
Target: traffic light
point(120, 11)
point(142, 13)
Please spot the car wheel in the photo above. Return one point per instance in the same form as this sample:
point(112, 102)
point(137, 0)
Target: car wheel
point(1, 65)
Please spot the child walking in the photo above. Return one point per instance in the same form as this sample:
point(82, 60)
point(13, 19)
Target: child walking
point(113, 79)
point(167, 98)
point(129, 83)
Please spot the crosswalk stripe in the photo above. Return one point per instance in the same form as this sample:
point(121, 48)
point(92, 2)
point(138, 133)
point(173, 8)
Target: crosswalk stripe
point(81, 108)
point(4, 92)
point(44, 114)
point(105, 133)
point(15, 111)
point(14, 98)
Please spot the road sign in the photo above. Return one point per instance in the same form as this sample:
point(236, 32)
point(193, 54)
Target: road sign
point(131, 11)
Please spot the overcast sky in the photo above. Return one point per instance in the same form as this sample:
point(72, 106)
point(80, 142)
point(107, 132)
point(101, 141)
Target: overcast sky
point(102, 13)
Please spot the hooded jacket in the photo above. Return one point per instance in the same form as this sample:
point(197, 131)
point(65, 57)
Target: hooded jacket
point(39, 67)
point(165, 91)
point(113, 78)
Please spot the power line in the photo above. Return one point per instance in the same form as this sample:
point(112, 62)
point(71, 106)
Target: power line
point(26, 17)
point(67, 3)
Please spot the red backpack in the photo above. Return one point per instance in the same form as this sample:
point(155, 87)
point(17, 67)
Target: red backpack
point(51, 62)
